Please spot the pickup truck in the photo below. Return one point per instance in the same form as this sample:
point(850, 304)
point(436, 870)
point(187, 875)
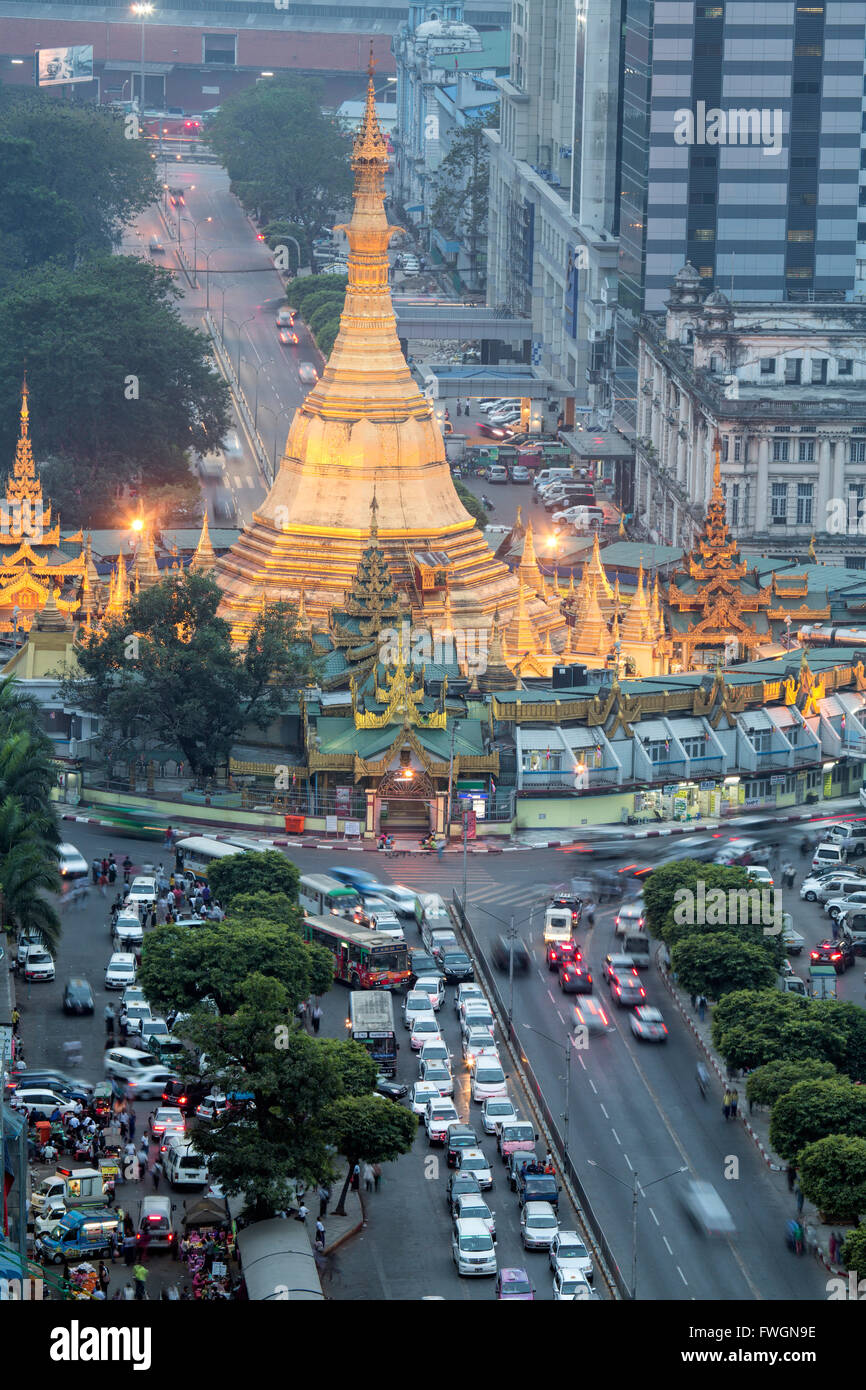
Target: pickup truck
point(537, 1187)
point(78, 1187)
point(519, 1137)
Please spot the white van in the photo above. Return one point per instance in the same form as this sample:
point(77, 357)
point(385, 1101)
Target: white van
point(128, 932)
point(544, 476)
point(637, 945)
point(851, 837)
point(472, 1247)
point(155, 1219)
point(184, 1167)
point(557, 924)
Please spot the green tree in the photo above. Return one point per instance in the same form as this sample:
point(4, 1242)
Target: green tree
point(167, 674)
point(832, 1173)
point(717, 963)
point(813, 1109)
point(472, 504)
point(69, 181)
point(265, 872)
point(463, 186)
point(688, 898)
point(182, 966)
point(270, 907)
point(369, 1129)
point(766, 1084)
point(287, 160)
point(854, 1251)
point(327, 335)
point(294, 1080)
point(28, 824)
point(151, 387)
point(751, 1027)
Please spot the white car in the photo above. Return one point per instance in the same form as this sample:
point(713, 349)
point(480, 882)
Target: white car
point(71, 863)
point(421, 1093)
point(133, 994)
point(165, 1118)
point(51, 1213)
point(40, 964)
point(834, 906)
point(40, 1098)
point(120, 971)
point(439, 1116)
point(128, 932)
point(568, 1252)
point(488, 1079)
point(415, 1005)
point(478, 1043)
point(464, 992)
point(470, 1206)
point(821, 887)
point(440, 1074)
point(629, 919)
point(142, 890)
point(153, 1030)
point(538, 1226)
point(475, 1161)
point(569, 1287)
point(472, 1248)
point(496, 1111)
point(761, 874)
point(434, 987)
point(477, 1021)
point(436, 1050)
point(136, 1015)
point(425, 1027)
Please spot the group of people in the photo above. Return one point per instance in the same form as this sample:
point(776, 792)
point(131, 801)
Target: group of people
point(730, 1103)
point(534, 1166)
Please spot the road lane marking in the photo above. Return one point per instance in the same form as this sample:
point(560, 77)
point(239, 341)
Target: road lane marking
point(603, 1111)
point(667, 1245)
point(682, 1276)
point(616, 1136)
point(591, 1082)
point(551, 998)
point(561, 1019)
point(653, 1215)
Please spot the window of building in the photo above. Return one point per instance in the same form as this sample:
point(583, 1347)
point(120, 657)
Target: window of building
point(845, 366)
point(710, 12)
point(725, 446)
point(761, 740)
point(779, 504)
point(806, 451)
point(805, 89)
point(219, 48)
point(857, 451)
point(793, 368)
point(856, 492)
point(737, 448)
point(768, 366)
point(798, 272)
point(703, 234)
point(708, 50)
point(807, 50)
point(705, 272)
point(780, 450)
point(801, 234)
point(734, 505)
point(809, 200)
point(819, 371)
point(694, 747)
point(804, 504)
point(658, 751)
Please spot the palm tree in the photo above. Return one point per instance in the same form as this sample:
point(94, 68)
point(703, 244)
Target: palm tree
point(28, 824)
point(28, 871)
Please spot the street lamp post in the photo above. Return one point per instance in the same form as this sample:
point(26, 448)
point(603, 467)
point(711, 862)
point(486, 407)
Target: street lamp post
point(240, 335)
point(450, 783)
point(142, 10)
point(257, 370)
point(635, 1189)
point(273, 416)
point(207, 257)
point(195, 226)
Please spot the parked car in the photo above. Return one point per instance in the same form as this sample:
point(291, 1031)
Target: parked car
point(520, 473)
point(40, 964)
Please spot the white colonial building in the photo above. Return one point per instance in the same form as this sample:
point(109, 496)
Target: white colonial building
point(784, 386)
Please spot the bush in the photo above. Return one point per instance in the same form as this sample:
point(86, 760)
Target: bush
point(765, 1085)
point(813, 1109)
point(832, 1174)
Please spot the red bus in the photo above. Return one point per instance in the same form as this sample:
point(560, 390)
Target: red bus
point(363, 959)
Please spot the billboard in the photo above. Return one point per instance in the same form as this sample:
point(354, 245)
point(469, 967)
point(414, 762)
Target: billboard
point(59, 65)
point(575, 262)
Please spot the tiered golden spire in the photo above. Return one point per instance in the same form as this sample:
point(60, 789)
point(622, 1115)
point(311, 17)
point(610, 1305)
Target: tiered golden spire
point(597, 569)
point(204, 557)
point(528, 570)
point(638, 624)
point(146, 568)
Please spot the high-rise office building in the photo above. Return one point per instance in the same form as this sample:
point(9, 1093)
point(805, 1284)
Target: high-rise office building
point(741, 154)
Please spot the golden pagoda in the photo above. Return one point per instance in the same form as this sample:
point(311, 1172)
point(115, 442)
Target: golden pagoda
point(204, 558)
point(365, 428)
point(710, 598)
point(35, 561)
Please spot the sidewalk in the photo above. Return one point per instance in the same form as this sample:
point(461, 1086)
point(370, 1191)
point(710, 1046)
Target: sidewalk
point(756, 1123)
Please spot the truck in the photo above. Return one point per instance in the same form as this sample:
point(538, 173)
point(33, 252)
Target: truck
point(78, 1187)
point(81, 1235)
point(371, 1019)
point(822, 981)
point(558, 924)
point(792, 984)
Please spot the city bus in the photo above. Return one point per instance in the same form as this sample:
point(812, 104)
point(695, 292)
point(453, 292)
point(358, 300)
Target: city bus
point(362, 958)
point(321, 895)
point(371, 1023)
point(200, 851)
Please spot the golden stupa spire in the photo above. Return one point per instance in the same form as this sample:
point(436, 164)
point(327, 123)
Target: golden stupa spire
point(204, 557)
point(597, 568)
point(22, 484)
point(146, 568)
point(528, 569)
point(638, 620)
point(521, 629)
point(374, 520)
point(622, 530)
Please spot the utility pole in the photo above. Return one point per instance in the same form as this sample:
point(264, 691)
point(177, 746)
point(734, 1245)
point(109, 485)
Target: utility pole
point(465, 828)
point(450, 782)
point(511, 939)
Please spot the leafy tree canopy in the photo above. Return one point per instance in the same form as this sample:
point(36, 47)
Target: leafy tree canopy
point(263, 872)
point(813, 1109)
point(286, 159)
point(28, 823)
point(854, 1250)
point(766, 1084)
point(687, 898)
point(181, 966)
point(832, 1174)
point(717, 963)
point(751, 1027)
point(69, 180)
point(370, 1129)
point(269, 907)
point(166, 673)
point(473, 506)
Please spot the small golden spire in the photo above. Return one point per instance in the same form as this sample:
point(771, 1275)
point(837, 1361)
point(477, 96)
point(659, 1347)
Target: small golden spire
point(374, 520)
point(204, 557)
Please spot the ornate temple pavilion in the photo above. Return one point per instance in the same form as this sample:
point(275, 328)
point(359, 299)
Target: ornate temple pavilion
point(366, 428)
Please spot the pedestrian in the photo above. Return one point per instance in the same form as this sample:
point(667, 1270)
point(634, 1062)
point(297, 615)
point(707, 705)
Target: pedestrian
point(324, 1195)
point(320, 1235)
point(302, 1213)
point(702, 1006)
point(356, 1177)
point(726, 1103)
point(131, 1114)
point(735, 1101)
point(440, 849)
point(156, 1174)
point(139, 1274)
point(108, 1014)
point(16, 1020)
point(316, 1017)
point(798, 1193)
point(127, 867)
point(123, 1025)
point(377, 1176)
point(798, 1237)
point(301, 1012)
point(108, 1189)
point(129, 1248)
point(142, 1152)
point(104, 1276)
point(693, 1000)
point(792, 1177)
point(112, 869)
point(96, 870)
point(368, 1177)
point(116, 1244)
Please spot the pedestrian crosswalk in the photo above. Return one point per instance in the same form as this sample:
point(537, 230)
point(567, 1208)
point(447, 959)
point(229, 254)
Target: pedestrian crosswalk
point(486, 888)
